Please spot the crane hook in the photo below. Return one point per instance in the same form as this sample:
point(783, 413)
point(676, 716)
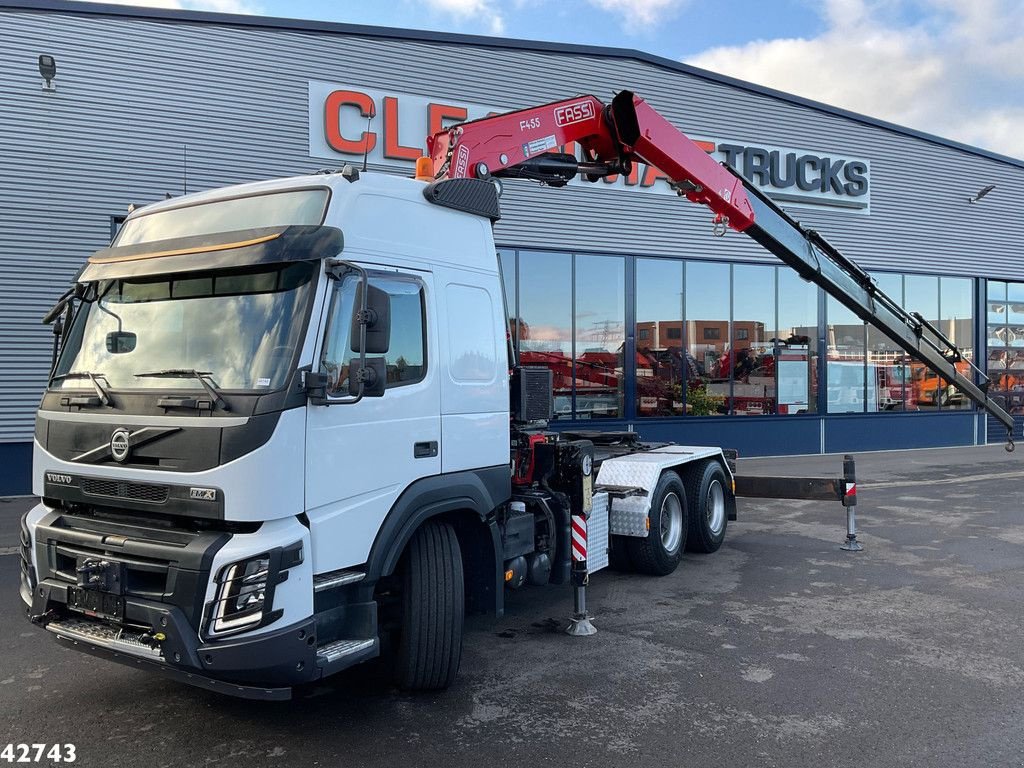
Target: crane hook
point(1009, 441)
point(720, 225)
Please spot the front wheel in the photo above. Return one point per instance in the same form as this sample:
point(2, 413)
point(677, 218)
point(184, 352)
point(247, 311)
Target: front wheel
point(430, 641)
point(669, 517)
point(705, 487)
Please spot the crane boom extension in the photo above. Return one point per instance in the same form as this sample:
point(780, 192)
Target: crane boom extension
point(525, 144)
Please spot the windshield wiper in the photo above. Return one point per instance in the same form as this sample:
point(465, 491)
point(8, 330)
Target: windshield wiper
point(103, 395)
point(203, 377)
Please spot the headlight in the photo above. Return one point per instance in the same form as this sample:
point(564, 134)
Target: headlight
point(245, 591)
point(241, 595)
point(28, 576)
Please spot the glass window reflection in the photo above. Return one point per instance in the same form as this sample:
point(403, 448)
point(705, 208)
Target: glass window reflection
point(921, 294)
point(956, 307)
point(751, 355)
point(888, 366)
point(600, 321)
point(659, 337)
point(845, 364)
point(707, 338)
point(507, 263)
point(797, 363)
point(545, 320)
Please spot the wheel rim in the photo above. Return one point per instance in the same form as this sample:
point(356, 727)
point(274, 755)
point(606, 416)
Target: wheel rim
point(671, 522)
point(716, 507)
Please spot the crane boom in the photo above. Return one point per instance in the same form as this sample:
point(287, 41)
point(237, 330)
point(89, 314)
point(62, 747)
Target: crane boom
point(526, 143)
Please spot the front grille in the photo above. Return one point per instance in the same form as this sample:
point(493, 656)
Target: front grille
point(119, 489)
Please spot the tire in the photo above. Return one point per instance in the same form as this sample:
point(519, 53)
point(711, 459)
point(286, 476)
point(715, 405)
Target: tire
point(433, 610)
point(659, 553)
point(706, 490)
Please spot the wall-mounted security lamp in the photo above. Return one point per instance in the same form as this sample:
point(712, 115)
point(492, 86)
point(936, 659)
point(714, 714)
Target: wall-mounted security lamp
point(981, 193)
point(48, 70)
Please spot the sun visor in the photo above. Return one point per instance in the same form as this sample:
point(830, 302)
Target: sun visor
point(222, 250)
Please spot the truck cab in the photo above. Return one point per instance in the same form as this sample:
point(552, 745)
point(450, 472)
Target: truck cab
point(261, 392)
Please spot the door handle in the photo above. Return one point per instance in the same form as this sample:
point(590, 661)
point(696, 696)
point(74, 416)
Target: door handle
point(424, 450)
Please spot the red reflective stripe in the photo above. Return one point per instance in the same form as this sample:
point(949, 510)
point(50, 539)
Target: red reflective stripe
point(851, 489)
point(579, 538)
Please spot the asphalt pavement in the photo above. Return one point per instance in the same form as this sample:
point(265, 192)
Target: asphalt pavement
point(779, 650)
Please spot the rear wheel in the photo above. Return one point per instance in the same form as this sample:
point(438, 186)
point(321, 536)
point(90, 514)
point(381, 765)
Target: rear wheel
point(430, 641)
point(659, 553)
point(705, 488)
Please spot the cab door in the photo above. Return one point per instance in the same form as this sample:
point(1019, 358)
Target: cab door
point(361, 456)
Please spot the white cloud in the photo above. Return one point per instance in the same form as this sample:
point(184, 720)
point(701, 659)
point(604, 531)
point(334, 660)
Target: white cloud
point(220, 6)
point(957, 71)
point(472, 10)
point(640, 14)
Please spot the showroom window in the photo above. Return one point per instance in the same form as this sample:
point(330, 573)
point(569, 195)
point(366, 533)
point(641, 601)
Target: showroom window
point(600, 336)
point(571, 319)
point(753, 350)
point(715, 339)
point(707, 306)
point(763, 361)
point(888, 366)
point(921, 294)
point(545, 320)
point(956, 321)
point(659, 346)
point(844, 362)
point(1005, 342)
point(884, 377)
point(797, 335)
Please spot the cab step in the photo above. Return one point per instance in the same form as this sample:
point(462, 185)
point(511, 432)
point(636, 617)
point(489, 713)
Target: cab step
point(332, 579)
point(340, 654)
point(95, 633)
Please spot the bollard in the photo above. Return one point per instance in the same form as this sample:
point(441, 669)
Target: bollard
point(850, 502)
point(580, 625)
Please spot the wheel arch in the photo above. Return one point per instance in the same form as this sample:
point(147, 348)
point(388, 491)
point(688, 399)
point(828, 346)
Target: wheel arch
point(465, 500)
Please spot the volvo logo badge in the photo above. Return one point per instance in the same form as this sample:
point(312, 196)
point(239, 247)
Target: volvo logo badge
point(120, 445)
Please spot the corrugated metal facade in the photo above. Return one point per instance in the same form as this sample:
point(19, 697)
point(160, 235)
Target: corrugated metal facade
point(144, 102)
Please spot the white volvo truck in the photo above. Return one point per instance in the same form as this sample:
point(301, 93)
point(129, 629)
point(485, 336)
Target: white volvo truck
point(285, 432)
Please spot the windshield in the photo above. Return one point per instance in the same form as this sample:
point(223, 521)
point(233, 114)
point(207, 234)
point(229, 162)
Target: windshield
point(242, 326)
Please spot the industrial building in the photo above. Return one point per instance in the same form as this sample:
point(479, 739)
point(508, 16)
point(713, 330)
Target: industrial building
point(649, 322)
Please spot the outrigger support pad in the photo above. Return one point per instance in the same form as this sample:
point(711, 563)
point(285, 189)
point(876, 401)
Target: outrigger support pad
point(580, 624)
point(850, 502)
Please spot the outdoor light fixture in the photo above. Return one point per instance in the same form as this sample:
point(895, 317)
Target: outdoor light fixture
point(981, 193)
point(48, 70)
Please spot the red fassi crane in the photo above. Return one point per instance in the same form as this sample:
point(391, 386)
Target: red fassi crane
point(524, 144)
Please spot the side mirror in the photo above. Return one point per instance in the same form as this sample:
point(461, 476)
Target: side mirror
point(377, 319)
point(315, 386)
point(56, 310)
point(374, 376)
point(120, 342)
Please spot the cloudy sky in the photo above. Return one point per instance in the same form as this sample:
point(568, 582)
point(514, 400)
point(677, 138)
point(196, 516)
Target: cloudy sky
point(950, 67)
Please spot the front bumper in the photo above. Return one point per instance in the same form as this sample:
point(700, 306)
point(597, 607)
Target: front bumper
point(264, 666)
point(164, 586)
point(161, 594)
